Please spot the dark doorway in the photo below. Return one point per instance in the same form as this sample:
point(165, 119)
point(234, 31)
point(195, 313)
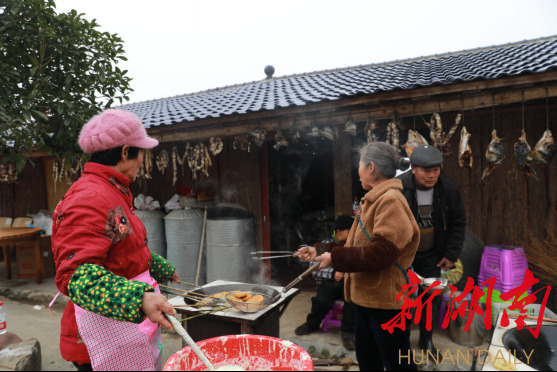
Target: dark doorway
point(301, 193)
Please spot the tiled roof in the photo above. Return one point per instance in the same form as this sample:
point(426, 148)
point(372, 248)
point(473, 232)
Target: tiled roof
point(527, 57)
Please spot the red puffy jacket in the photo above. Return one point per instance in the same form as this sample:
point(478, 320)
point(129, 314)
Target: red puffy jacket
point(95, 223)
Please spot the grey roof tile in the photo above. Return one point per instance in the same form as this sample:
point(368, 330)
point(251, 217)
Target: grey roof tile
point(534, 56)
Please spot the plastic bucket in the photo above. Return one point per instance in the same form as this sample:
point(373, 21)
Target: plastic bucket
point(251, 352)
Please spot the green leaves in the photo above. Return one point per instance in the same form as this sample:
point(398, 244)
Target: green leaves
point(56, 72)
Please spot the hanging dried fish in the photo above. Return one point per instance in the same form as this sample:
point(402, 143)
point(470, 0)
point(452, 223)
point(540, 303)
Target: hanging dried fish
point(415, 140)
point(494, 154)
point(295, 131)
point(162, 161)
point(350, 127)
point(313, 132)
point(258, 136)
point(327, 132)
point(523, 155)
point(216, 145)
point(241, 142)
point(465, 158)
point(546, 149)
point(370, 129)
point(280, 140)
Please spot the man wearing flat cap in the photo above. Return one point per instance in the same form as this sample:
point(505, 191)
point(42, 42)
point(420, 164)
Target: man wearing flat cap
point(436, 203)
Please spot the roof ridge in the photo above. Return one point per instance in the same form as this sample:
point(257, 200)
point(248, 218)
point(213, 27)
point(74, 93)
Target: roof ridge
point(352, 68)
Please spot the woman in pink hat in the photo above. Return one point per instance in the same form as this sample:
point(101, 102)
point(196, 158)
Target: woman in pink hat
point(114, 318)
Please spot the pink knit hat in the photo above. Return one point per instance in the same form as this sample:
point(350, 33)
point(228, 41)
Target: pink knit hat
point(113, 128)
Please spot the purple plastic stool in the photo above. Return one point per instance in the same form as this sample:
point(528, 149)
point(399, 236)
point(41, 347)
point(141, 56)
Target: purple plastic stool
point(507, 263)
point(333, 318)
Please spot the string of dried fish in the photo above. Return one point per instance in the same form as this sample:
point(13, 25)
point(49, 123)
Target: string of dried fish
point(162, 161)
point(393, 135)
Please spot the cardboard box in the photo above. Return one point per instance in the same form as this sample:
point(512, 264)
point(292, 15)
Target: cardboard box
point(25, 258)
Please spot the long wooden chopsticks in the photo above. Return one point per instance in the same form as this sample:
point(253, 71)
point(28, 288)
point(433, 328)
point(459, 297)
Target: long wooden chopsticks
point(184, 291)
point(528, 317)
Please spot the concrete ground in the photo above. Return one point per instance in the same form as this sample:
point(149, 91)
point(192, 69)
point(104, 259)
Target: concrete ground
point(28, 316)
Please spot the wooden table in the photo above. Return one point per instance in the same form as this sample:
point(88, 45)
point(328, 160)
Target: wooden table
point(11, 236)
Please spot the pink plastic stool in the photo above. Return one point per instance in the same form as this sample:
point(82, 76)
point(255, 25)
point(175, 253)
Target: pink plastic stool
point(333, 318)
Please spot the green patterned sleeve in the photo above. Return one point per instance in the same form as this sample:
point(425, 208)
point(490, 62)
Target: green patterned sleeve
point(96, 289)
point(161, 270)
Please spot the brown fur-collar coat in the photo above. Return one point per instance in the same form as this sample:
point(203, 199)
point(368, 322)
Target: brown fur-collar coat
point(372, 279)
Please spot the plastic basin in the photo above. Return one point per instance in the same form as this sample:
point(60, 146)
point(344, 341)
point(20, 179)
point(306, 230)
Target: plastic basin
point(251, 352)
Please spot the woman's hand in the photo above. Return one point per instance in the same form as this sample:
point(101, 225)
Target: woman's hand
point(325, 260)
point(154, 305)
point(306, 253)
point(175, 278)
point(338, 276)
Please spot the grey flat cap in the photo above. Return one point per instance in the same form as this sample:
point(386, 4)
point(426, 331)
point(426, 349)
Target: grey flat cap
point(426, 157)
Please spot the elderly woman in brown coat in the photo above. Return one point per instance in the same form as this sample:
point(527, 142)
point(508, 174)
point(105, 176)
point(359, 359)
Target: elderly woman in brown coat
point(383, 235)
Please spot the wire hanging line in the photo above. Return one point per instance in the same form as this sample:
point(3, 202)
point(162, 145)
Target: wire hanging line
point(493, 108)
point(523, 128)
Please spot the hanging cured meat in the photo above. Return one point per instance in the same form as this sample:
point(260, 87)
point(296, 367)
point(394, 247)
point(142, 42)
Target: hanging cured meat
point(546, 149)
point(439, 138)
point(523, 155)
point(393, 135)
point(494, 154)
point(415, 140)
point(465, 158)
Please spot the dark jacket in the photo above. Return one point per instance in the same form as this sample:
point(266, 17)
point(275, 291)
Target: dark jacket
point(449, 215)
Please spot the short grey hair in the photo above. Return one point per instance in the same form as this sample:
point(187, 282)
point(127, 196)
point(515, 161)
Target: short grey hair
point(385, 157)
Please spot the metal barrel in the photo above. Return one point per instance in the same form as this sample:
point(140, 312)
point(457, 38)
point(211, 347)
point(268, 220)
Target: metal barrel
point(183, 238)
point(230, 239)
point(156, 235)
